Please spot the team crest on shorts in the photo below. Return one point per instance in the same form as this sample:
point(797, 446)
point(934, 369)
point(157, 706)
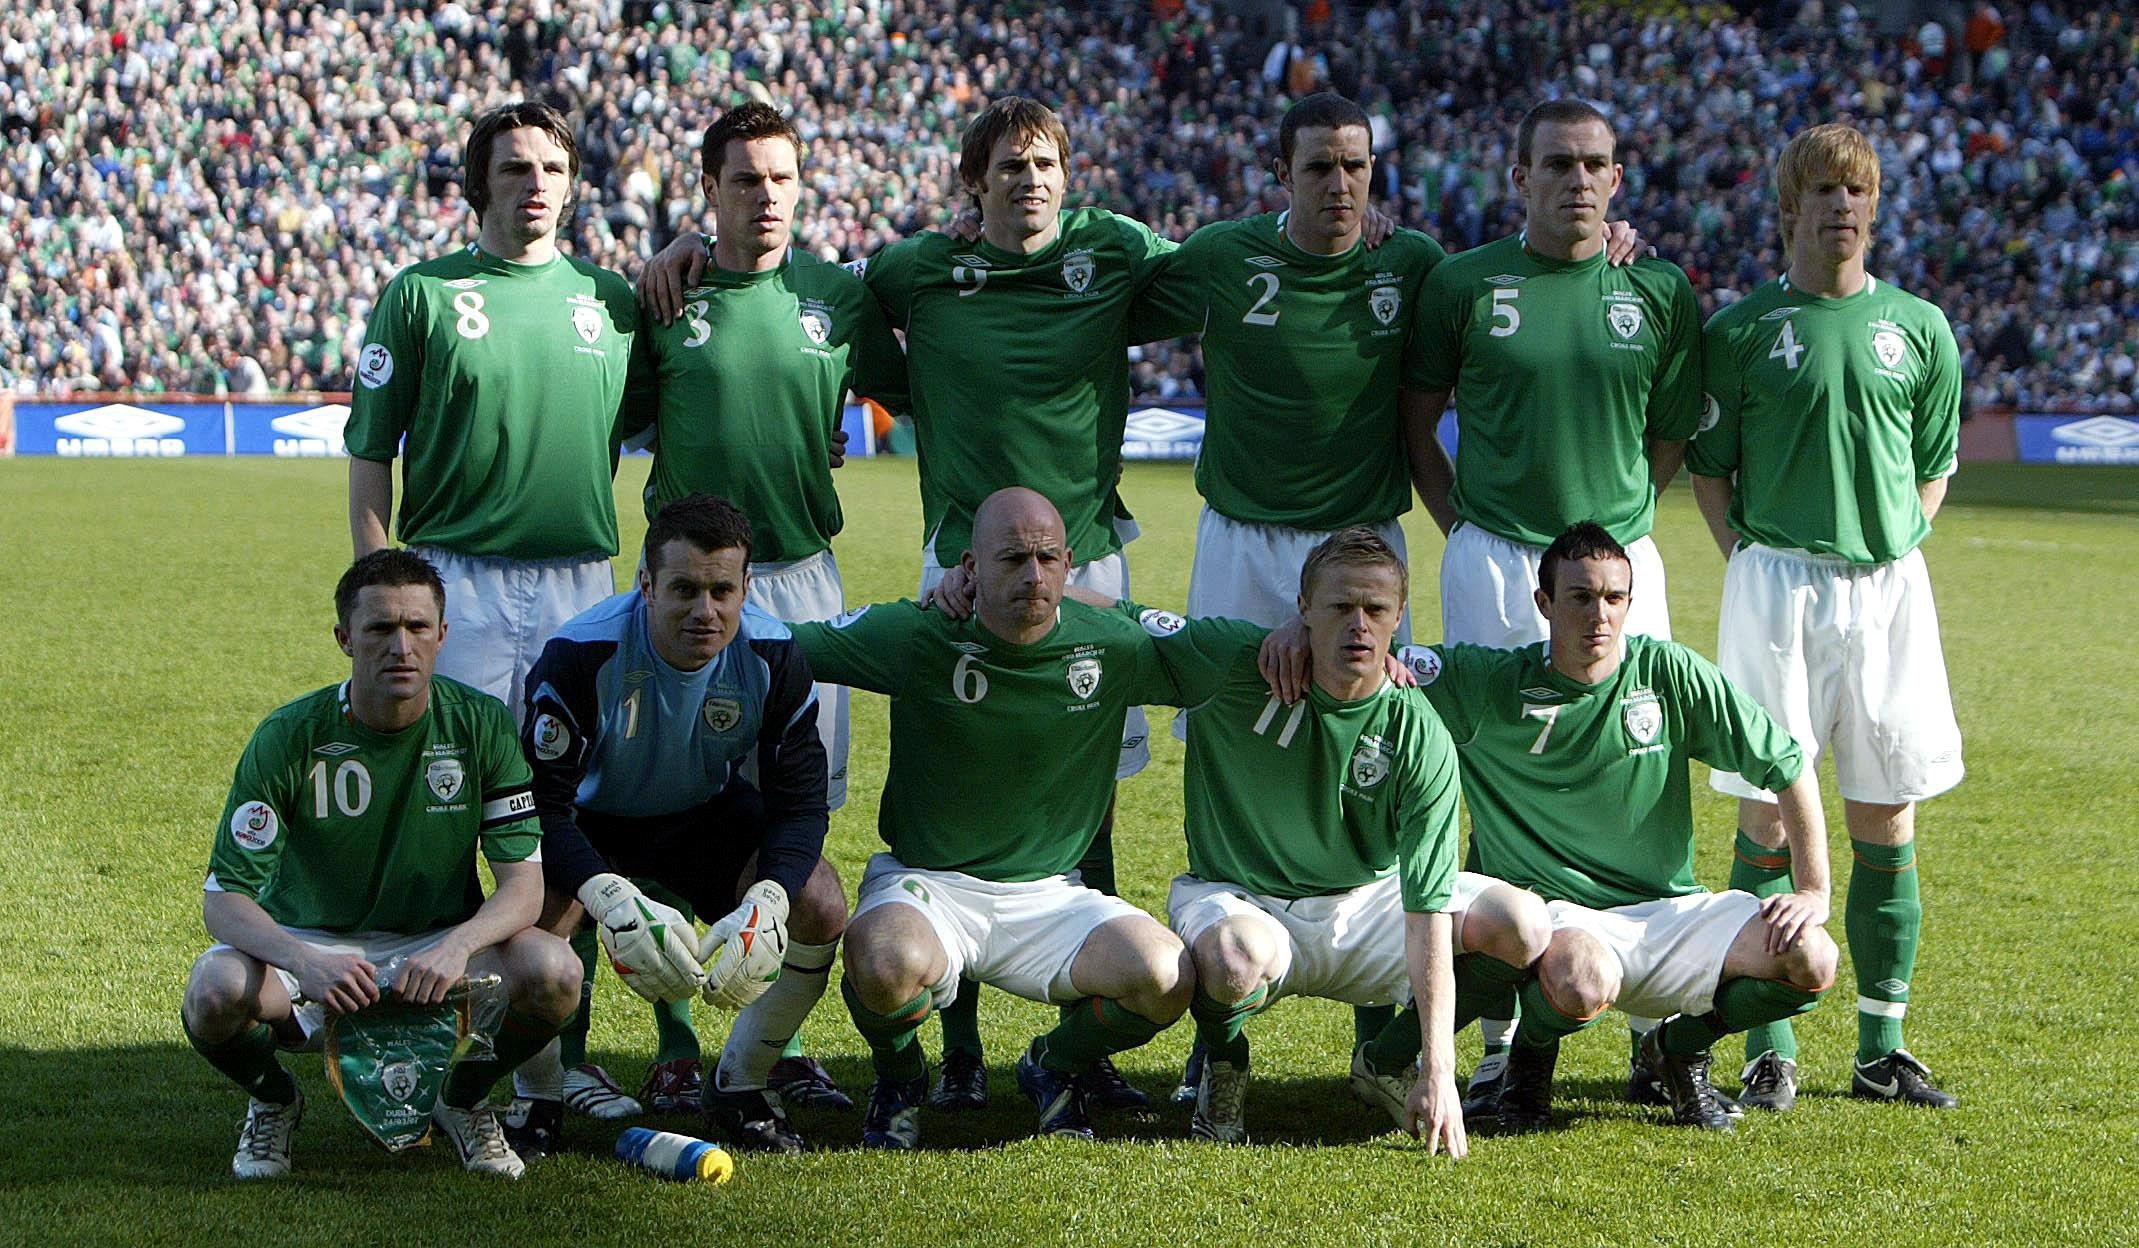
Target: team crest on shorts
point(1385, 302)
point(816, 322)
point(721, 714)
point(398, 1079)
point(1644, 718)
point(1084, 677)
point(1077, 270)
point(1890, 348)
point(445, 777)
point(1625, 319)
point(588, 322)
point(1370, 762)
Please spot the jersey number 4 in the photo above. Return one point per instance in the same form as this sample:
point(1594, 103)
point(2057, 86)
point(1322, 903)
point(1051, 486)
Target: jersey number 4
point(1787, 348)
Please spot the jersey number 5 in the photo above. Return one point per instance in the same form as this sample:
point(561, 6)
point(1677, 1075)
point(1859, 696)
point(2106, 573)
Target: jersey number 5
point(1507, 318)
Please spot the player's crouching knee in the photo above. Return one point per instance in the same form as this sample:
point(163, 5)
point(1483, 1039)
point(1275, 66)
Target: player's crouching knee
point(1233, 958)
point(1169, 977)
point(1810, 965)
point(220, 994)
point(820, 913)
point(1578, 975)
point(1509, 924)
point(545, 974)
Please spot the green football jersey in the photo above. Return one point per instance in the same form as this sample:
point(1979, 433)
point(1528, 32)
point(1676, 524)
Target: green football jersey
point(1318, 797)
point(1561, 372)
point(1579, 792)
point(746, 387)
point(1002, 756)
point(1303, 357)
point(334, 825)
point(1019, 368)
point(1830, 412)
point(506, 380)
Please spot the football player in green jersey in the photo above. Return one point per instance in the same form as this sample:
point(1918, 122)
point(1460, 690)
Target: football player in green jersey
point(1834, 411)
point(976, 882)
point(345, 869)
point(1576, 385)
point(496, 373)
point(1322, 845)
point(1575, 753)
point(743, 395)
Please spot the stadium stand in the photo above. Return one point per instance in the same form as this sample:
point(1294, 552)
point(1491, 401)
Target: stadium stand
point(197, 195)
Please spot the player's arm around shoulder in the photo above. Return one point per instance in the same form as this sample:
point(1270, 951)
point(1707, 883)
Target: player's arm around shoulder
point(869, 647)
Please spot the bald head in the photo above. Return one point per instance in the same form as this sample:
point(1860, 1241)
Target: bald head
point(1019, 562)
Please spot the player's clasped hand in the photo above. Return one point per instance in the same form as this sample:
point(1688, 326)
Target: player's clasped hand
point(676, 269)
point(343, 982)
point(427, 975)
point(1435, 1114)
point(1789, 914)
point(649, 943)
point(953, 595)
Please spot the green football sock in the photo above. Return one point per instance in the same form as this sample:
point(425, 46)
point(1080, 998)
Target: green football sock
point(1369, 1021)
point(1884, 919)
point(674, 1037)
point(1483, 982)
point(572, 1041)
point(1542, 1024)
point(1764, 872)
point(1221, 1026)
point(961, 1019)
point(1097, 1027)
point(249, 1060)
point(520, 1036)
point(894, 1038)
point(1741, 1005)
point(793, 1047)
point(1096, 868)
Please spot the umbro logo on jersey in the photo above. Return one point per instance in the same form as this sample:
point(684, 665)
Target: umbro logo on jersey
point(972, 261)
point(970, 647)
point(1266, 262)
point(1780, 313)
point(335, 749)
point(1503, 279)
point(463, 283)
point(1539, 693)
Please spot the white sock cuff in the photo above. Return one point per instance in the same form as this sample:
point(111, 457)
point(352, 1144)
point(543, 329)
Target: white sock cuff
point(803, 957)
point(1882, 1009)
point(541, 1077)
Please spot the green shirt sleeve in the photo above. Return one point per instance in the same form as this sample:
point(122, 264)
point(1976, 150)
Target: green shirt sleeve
point(1675, 391)
point(510, 831)
point(1728, 730)
point(1149, 255)
point(865, 648)
point(1938, 406)
point(1714, 451)
point(1427, 821)
point(1197, 656)
point(1433, 358)
point(1453, 680)
point(256, 818)
point(389, 374)
point(642, 384)
point(1172, 304)
point(878, 362)
point(889, 276)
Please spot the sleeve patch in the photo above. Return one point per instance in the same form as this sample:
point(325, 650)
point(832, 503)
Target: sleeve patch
point(254, 827)
point(513, 806)
point(375, 367)
point(845, 618)
point(1423, 661)
point(859, 268)
point(1161, 623)
point(552, 738)
point(1711, 412)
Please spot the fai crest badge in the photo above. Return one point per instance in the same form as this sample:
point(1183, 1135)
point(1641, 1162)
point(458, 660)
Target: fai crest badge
point(1084, 677)
point(817, 325)
point(445, 777)
point(588, 322)
point(1385, 302)
point(1370, 763)
point(1890, 348)
point(399, 1079)
point(1077, 271)
point(1625, 319)
point(721, 714)
point(1644, 719)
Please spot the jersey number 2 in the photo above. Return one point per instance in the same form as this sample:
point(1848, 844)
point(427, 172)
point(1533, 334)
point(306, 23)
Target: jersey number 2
point(1267, 284)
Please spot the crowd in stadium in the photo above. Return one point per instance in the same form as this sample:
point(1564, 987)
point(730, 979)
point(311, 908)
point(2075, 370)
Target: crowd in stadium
point(197, 196)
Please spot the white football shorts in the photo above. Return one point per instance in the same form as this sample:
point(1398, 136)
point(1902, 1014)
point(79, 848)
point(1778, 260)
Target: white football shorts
point(1022, 938)
point(1109, 576)
point(1845, 656)
point(501, 612)
point(1487, 583)
point(1671, 952)
point(1343, 946)
point(799, 591)
point(1246, 571)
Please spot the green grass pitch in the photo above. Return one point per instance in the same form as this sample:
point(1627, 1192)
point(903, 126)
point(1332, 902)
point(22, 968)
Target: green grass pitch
point(152, 613)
